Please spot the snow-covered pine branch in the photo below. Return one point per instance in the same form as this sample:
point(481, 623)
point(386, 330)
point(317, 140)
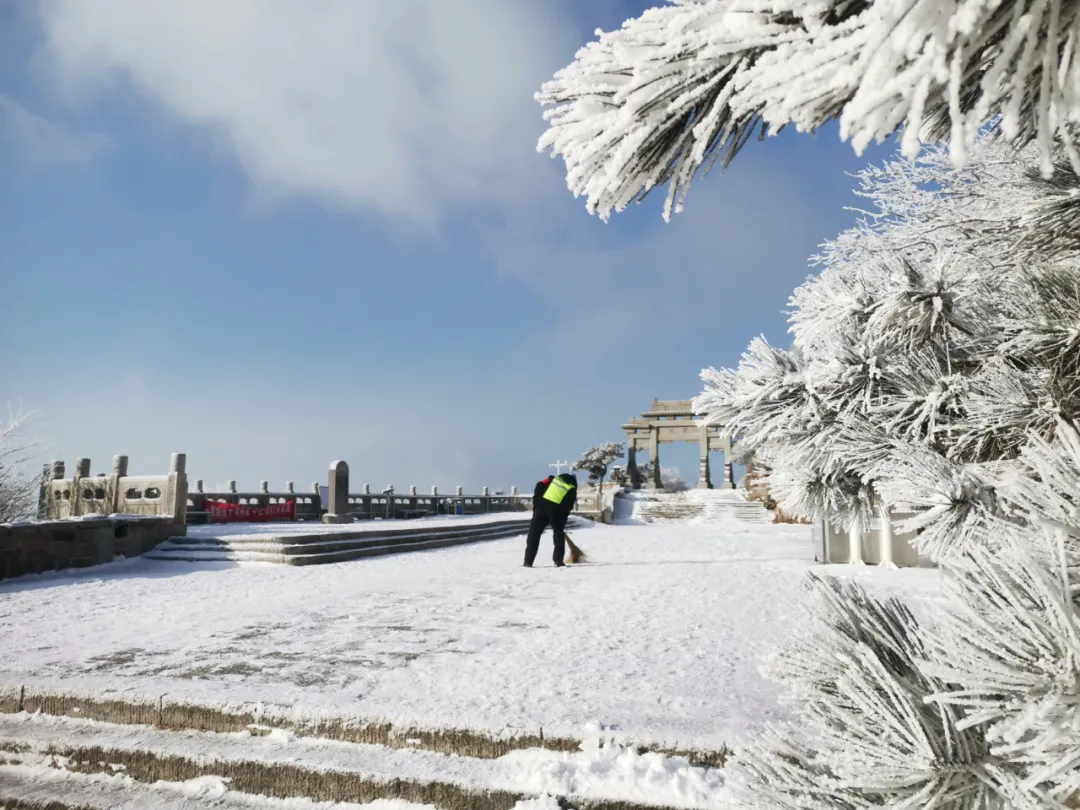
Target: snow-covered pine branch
point(690, 81)
point(978, 709)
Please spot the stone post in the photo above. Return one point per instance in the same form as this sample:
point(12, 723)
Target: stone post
point(178, 488)
point(82, 470)
point(339, 494)
point(515, 501)
point(434, 500)
point(54, 507)
point(289, 487)
point(366, 501)
point(487, 499)
point(704, 478)
point(198, 497)
point(729, 468)
point(43, 492)
point(631, 462)
point(115, 485)
point(231, 486)
point(657, 481)
point(316, 499)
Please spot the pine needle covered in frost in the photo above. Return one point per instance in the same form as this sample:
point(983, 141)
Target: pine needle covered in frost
point(689, 82)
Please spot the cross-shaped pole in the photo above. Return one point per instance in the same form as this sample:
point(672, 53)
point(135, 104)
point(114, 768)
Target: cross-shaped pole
point(558, 465)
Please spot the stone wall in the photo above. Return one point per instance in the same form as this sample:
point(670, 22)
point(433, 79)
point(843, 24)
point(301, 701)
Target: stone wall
point(31, 548)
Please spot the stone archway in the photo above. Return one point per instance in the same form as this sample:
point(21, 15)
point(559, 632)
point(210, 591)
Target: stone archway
point(673, 420)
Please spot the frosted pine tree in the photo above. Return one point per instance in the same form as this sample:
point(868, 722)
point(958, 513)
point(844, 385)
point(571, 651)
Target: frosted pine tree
point(934, 367)
point(596, 460)
point(689, 82)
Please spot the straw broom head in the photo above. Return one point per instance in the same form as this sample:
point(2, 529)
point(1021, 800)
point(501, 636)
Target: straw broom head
point(576, 554)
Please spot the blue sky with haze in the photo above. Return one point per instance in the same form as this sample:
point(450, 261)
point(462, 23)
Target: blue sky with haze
point(271, 234)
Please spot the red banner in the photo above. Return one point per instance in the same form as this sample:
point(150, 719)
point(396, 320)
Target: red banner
point(221, 512)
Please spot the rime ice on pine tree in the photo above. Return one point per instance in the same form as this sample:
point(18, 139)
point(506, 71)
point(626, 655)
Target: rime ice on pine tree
point(934, 341)
point(865, 735)
point(935, 369)
point(935, 366)
point(689, 82)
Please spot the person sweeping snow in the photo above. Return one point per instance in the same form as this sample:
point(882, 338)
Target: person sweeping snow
point(553, 501)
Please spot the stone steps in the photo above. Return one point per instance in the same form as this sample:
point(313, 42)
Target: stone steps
point(61, 763)
point(696, 506)
point(321, 547)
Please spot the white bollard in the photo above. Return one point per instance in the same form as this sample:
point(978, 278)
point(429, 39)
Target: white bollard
point(886, 537)
point(855, 543)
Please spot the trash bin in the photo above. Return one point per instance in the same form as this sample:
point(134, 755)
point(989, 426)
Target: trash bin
point(459, 508)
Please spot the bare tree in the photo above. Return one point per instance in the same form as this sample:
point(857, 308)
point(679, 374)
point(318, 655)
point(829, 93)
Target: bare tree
point(19, 486)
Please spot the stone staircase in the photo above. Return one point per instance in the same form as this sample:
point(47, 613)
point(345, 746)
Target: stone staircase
point(323, 546)
point(692, 506)
point(63, 752)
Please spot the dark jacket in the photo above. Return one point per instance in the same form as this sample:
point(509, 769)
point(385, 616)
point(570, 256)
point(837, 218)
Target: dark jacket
point(571, 497)
point(540, 489)
point(567, 506)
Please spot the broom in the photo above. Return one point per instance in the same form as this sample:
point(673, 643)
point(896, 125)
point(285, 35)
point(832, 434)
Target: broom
point(576, 554)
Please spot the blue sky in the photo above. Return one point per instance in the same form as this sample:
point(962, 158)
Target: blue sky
point(271, 234)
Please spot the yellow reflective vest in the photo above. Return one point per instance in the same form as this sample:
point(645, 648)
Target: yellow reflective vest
point(557, 490)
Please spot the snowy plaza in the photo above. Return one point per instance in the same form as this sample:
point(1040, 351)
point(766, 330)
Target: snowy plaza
point(382, 281)
point(655, 642)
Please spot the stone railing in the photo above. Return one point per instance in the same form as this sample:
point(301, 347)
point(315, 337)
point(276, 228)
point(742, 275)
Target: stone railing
point(344, 507)
point(367, 505)
point(308, 504)
point(168, 496)
point(363, 505)
point(85, 494)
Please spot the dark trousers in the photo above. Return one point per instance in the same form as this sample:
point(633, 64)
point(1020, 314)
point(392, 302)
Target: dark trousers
point(543, 517)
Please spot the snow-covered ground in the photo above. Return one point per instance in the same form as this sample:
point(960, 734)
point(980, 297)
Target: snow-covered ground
point(658, 638)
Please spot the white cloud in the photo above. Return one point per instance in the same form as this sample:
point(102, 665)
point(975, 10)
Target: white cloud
point(404, 106)
point(43, 140)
